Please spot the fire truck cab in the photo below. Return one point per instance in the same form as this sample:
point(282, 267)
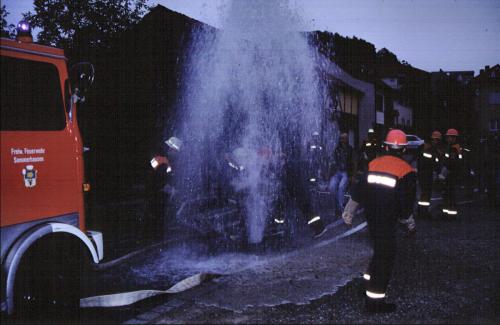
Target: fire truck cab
point(45, 245)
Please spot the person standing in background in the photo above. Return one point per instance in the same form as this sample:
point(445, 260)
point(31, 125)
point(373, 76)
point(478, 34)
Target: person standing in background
point(340, 170)
point(428, 162)
point(452, 163)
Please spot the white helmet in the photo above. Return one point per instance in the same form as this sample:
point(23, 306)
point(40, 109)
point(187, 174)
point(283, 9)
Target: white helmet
point(241, 155)
point(174, 143)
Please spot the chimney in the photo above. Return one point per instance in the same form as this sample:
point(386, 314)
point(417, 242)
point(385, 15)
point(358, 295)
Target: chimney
point(487, 68)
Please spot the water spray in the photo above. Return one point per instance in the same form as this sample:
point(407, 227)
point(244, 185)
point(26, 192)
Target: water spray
point(254, 83)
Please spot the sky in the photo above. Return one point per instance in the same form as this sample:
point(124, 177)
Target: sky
point(452, 35)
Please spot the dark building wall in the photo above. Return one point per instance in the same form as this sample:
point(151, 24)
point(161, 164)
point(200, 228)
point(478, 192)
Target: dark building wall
point(131, 107)
point(486, 87)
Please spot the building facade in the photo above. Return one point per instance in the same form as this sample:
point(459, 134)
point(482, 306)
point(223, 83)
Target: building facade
point(487, 99)
point(357, 105)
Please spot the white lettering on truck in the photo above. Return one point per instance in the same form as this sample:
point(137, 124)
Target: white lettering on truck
point(15, 152)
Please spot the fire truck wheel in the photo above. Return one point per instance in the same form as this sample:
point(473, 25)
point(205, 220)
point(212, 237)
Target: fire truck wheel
point(50, 277)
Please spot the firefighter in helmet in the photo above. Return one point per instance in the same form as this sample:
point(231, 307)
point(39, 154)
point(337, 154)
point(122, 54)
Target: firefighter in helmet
point(428, 161)
point(387, 192)
point(452, 161)
point(315, 159)
point(296, 181)
point(159, 189)
point(163, 163)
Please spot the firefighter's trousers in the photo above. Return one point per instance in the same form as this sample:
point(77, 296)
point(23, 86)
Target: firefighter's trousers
point(383, 235)
point(297, 187)
point(449, 195)
point(425, 182)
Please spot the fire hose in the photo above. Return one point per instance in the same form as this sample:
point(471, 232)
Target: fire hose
point(128, 298)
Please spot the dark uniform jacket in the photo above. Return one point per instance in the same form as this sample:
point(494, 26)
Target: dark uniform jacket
point(453, 158)
point(429, 158)
point(387, 190)
point(342, 160)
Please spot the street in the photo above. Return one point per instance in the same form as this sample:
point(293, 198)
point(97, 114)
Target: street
point(446, 273)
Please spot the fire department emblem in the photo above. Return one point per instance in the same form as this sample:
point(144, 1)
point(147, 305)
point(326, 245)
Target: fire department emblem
point(29, 175)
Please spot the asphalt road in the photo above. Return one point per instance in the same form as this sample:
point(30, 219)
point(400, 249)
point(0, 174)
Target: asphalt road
point(447, 273)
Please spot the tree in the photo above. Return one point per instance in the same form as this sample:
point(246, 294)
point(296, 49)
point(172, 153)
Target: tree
point(8, 30)
point(354, 55)
point(70, 24)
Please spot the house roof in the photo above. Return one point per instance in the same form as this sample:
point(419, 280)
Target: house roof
point(461, 76)
point(492, 72)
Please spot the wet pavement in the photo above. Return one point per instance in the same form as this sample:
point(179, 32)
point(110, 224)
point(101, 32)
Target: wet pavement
point(447, 273)
point(283, 272)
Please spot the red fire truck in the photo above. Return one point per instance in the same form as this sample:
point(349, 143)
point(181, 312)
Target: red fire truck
point(45, 246)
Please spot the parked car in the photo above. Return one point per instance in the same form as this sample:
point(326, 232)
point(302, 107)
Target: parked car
point(414, 141)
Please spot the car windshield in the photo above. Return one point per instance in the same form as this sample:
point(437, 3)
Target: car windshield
point(411, 138)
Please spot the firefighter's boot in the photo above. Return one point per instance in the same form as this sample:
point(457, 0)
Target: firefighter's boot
point(444, 213)
point(378, 306)
point(452, 212)
point(317, 226)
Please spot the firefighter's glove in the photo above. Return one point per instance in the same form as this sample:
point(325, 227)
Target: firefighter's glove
point(443, 174)
point(158, 161)
point(409, 223)
point(349, 211)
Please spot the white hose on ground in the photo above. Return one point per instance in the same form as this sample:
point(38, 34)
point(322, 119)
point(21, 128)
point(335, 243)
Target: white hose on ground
point(128, 298)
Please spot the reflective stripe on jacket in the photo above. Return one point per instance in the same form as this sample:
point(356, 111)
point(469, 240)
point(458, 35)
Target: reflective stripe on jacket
point(388, 187)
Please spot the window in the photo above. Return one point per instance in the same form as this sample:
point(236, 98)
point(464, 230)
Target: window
point(379, 103)
point(355, 105)
point(342, 100)
point(494, 98)
point(494, 124)
point(31, 96)
point(348, 102)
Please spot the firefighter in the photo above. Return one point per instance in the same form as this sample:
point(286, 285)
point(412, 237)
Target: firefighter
point(387, 192)
point(159, 189)
point(469, 168)
point(452, 159)
point(368, 151)
point(315, 158)
point(428, 162)
point(295, 182)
